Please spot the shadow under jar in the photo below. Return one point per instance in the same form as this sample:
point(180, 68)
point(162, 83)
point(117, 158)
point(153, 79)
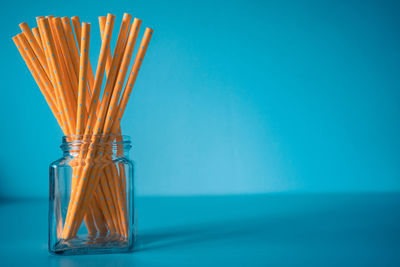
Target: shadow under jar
point(91, 207)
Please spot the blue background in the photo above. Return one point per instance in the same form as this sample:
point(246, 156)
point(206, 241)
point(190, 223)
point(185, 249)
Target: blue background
point(237, 97)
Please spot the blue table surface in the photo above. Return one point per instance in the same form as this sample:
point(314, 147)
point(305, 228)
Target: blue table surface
point(258, 230)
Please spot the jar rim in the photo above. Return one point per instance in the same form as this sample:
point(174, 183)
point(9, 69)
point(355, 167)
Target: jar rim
point(84, 137)
point(111, 139)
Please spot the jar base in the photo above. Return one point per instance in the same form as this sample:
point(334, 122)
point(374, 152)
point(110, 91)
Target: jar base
point(92, 244)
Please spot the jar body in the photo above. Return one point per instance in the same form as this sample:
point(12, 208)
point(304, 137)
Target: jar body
point(91, 197)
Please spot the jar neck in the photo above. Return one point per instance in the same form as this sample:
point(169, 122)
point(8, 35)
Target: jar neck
point(108, 146)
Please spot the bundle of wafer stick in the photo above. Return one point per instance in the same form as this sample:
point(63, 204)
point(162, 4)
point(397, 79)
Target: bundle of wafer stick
point(56, 53)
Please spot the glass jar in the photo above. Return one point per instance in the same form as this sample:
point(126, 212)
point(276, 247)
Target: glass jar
point(91, 196)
